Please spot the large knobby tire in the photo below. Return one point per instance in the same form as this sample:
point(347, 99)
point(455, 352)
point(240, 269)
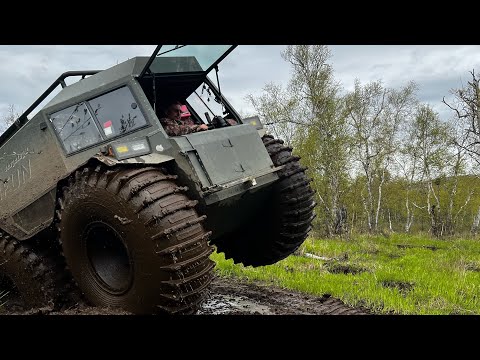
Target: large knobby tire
point(285, 221)
point(29, 278)
point(133, 240)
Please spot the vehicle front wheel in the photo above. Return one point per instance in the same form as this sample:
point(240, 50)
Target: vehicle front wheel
point(133, 240)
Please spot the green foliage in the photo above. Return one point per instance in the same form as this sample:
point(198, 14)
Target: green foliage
point(278, 111)
point(390, 275)
point(376, 154)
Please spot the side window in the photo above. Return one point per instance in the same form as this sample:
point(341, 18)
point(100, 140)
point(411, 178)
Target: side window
point(117, 112)
point(75, 127)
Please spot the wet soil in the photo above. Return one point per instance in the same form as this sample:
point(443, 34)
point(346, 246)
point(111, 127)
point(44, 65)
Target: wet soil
point(230, 296)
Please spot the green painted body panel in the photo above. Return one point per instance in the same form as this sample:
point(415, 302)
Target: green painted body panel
point(223, 167)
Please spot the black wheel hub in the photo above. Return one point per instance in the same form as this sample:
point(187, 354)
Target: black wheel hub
point(108, 257)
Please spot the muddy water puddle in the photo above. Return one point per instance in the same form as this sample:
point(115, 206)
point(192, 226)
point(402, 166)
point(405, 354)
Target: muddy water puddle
point(228, 304)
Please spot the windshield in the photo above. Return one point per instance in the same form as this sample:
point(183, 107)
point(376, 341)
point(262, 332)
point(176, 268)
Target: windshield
point(204, 101)
point(188, 58)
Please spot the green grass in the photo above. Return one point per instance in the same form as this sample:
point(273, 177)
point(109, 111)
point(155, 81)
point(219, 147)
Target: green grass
point(395, 275)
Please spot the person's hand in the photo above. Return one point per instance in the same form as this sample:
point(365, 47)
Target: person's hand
point(203, 127)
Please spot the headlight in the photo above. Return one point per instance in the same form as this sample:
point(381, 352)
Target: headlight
point(127, 149)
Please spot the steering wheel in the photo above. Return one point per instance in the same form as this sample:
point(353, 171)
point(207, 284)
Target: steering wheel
point(219, 122)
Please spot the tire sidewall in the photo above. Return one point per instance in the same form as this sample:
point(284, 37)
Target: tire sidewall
point(87, 205)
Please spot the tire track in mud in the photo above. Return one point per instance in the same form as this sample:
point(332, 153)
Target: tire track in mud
point(232, 296)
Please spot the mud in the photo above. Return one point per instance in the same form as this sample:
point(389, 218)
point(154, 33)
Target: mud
point(230, 296)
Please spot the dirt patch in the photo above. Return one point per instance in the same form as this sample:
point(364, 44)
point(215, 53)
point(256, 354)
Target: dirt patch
point(471, 266)
point(336, 268)
point(403, 287)
point(406, 246)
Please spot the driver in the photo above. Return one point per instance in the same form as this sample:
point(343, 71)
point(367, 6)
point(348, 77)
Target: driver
point(177, 121)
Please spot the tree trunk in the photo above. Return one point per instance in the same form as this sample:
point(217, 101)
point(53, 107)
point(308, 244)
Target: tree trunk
point(341, 221)
point(476, 222)
point(390, 221)
point(379, 202)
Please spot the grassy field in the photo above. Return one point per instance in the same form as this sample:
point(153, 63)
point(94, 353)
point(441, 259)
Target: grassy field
point(397, 274)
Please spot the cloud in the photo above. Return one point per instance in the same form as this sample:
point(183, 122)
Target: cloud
point(26, 71)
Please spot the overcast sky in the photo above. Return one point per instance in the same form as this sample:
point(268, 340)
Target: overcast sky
point(26, 71)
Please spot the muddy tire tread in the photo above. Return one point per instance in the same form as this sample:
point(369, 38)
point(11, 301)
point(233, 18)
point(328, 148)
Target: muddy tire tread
point(43, 267)
point(296, 213)
point(159, 200)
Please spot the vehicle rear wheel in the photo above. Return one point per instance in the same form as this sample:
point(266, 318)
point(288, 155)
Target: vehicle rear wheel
point(285, 221)
point(133, 240)
point(29, 278)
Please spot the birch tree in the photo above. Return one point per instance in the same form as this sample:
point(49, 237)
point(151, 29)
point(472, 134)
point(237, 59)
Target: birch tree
point(466, 108)
point(428, 138)
point(407, 160)
point(456, 165)
point(279, 111)
point(374, 115)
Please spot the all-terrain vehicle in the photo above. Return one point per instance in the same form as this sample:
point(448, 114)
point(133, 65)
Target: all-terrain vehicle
point(93, 189)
